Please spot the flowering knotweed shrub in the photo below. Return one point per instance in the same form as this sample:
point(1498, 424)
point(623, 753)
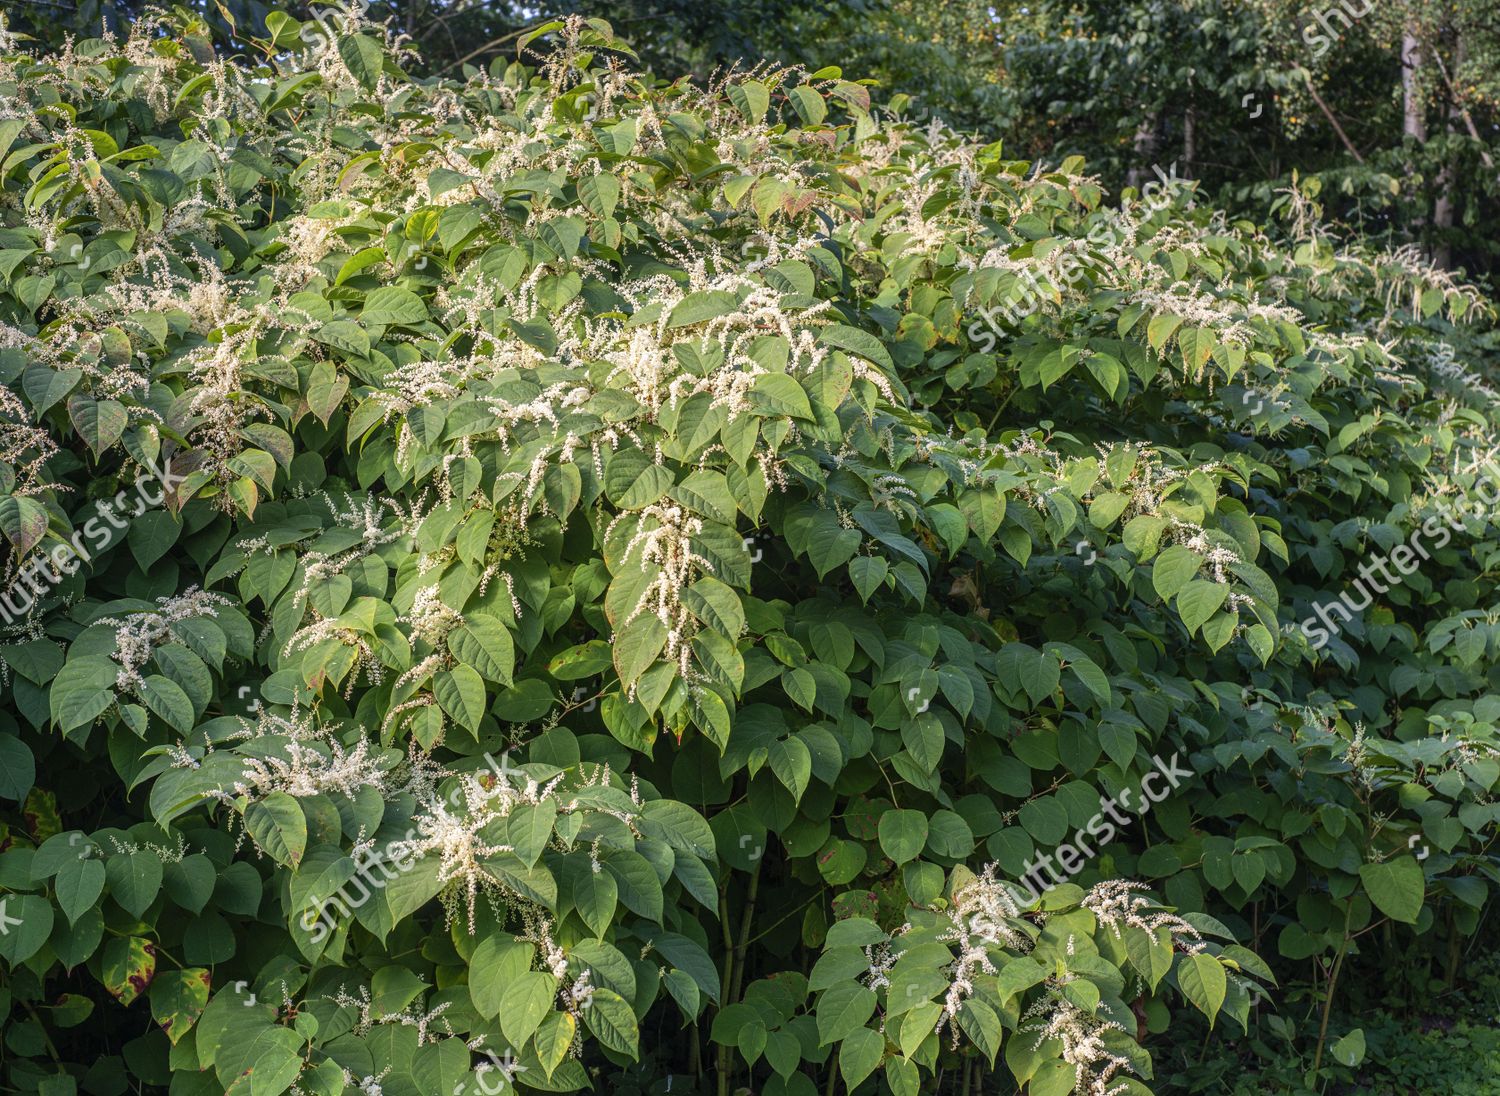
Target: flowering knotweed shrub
point(610, 617)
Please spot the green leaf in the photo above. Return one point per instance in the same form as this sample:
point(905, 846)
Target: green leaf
point(524, 1002)
point(1160, 329)
point(23, 521)
point(554, 1036)
point(1198, 601)
point(177, 1000)
point(98, 422)
point(325, 390)
point(1019, 975)
point(599, 194)
point(1396, 887)
point(484, 643)
point(859, 1055)
point(809, 104)
point(497, 962)
point(190, 882)
point(460, 693)
point(637, 646)
point(278, 827)
point(79, 883)
point(28, 922)
point(903, 834)
point(702, 306)
point(82, 691)
point(1173, 570)
point(44, 386)
point(393, 305)
point(782, 395)
point(858, 342)
point(134, 880)
point(868, 575)
point(413, 888)
point(611, 1020)
point(903, 1077)
point(17, 768)
point(529, 828)
point(151, 535)
point(1041, 674)
point(632, 482)
point(843, 1009)
point(274, 1061)
point(1202, 981)
point(751, 97)
point(1350, 1050)
point(166, 699)
point(393, 987)
point(365, 59)
point(595, 896)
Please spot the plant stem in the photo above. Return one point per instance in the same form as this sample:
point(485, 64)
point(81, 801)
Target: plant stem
point(744, 941)
point(1333, 980)
point(722, 1054)
point(51, 1049)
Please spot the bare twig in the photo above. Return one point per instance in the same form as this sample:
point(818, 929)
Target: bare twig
point(485, 48)
point(1329, 115)
point(1463, 111)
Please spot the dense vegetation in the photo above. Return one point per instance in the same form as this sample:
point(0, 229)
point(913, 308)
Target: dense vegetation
point(551, 578)
point(1392, 110)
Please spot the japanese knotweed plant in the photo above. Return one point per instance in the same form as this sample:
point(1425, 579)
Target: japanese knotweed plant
point(553, 578)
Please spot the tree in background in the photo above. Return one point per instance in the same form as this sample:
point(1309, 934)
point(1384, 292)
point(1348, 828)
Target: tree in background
point(670, 36)
point(1385, 114)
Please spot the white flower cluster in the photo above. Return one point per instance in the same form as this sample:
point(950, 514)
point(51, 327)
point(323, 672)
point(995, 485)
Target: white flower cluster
point(300, 757)
point(982, 913)
point(138, 635)
point(664, 540)
point(1083, 1047)
point(1118, 905)
point(457, 827)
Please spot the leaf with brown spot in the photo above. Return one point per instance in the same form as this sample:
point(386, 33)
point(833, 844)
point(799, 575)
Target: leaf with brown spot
point(178, 998)
point(129, 967)
point(40, 812)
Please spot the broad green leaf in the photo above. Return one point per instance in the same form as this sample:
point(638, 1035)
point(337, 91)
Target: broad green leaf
point(1202, 980)
point(1396, 887)
point(177, 1000)
point(278, 826)
point(902, 834)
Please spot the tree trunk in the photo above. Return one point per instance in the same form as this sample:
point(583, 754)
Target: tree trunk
point(1415, 123)
point(1189, 141)
point(1145, 152)
point(1442, 212)
point(1414, 126)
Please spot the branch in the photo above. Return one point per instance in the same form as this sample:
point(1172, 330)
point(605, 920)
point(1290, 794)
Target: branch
point(1464, 112)
point(1329, 115)
point(485, 48)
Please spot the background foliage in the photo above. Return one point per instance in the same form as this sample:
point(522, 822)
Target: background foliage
point(661, 554)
